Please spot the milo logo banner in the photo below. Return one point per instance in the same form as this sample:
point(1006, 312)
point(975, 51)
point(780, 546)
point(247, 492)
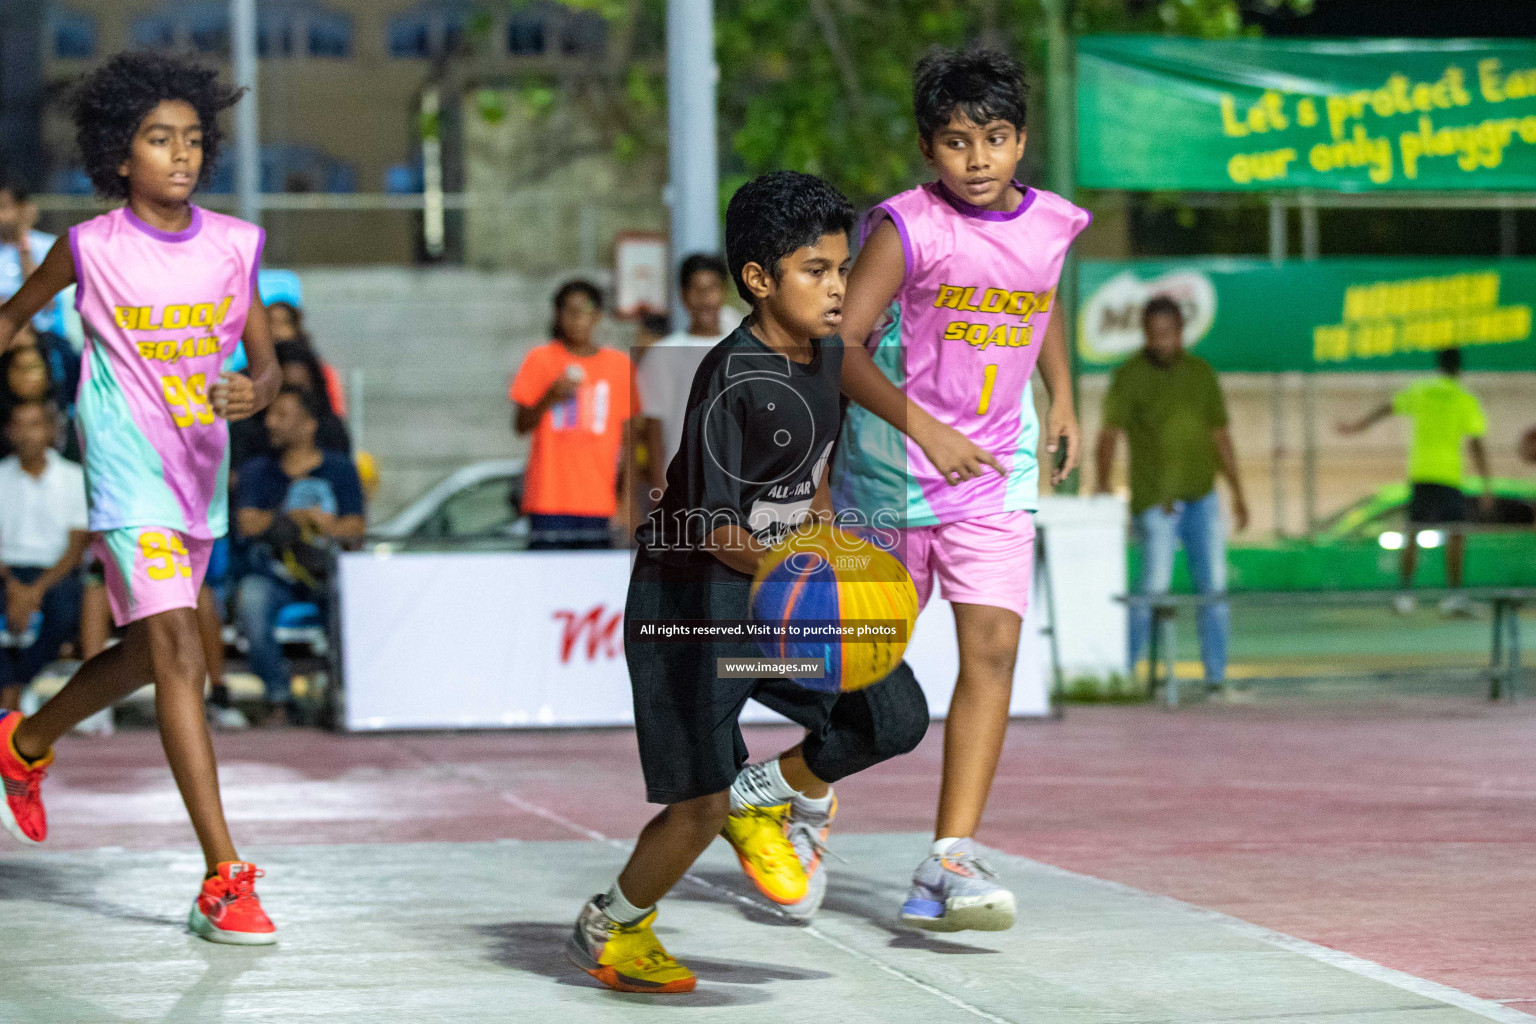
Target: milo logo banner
point(1333, 314)
point(1350, 115)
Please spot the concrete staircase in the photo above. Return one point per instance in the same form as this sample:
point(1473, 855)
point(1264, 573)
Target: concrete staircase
point(435, 350)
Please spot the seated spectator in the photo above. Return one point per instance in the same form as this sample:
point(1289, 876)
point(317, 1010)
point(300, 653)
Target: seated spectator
point(25, 377)
point(43, 534)
point(301, 369)
point(295, 508)
point(287, 322)
point(576, 399)
point(63, 364)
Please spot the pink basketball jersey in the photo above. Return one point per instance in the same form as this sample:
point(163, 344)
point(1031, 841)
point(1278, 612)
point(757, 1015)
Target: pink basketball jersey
point(161, 311)
point(961, 339)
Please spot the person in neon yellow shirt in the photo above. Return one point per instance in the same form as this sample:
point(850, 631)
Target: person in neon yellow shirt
point(1444, 415)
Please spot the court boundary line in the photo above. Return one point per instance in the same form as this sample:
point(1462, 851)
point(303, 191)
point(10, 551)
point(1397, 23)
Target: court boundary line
point(528, 806)
point(1412, 983)
point(1369, 969)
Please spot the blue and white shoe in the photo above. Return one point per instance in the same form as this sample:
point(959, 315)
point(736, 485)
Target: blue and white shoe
point(957, 892)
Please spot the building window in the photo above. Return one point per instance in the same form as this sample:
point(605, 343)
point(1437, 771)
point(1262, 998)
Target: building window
point(274, 37)
point(584, 34)
point(410, 37)
point(525, 35)
point(430, 29)
point(453, 33)
point(73, 35)
point(208, 29)
point(156, 31)
point(330, 35)
point(292, 168)
point(283, 29)
point(203, 26)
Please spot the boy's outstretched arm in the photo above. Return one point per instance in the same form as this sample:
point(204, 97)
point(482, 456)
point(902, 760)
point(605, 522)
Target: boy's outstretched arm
point(56, 273)
point(1061, 422)
point(873, 283)
point(238, 396)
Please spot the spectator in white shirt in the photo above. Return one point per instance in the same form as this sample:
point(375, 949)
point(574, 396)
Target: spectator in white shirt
point(43, 533)
point(665, 376)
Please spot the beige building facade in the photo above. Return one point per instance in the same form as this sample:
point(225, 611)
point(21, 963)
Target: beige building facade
point(339, 97)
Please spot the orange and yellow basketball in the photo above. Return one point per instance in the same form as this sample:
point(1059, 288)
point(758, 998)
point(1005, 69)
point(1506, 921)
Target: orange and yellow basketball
point(820, 574)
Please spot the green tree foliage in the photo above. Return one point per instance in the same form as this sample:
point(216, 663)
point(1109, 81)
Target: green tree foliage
point(824, 86)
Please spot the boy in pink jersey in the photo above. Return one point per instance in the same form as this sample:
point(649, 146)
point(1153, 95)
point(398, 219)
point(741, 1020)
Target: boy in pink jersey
point(165, 291)
point(963, 271)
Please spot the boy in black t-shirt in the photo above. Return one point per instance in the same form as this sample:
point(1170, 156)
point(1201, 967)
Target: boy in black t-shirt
point(757, 439)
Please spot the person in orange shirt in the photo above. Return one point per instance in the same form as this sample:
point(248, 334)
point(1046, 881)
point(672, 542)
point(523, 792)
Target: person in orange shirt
point(576, 399)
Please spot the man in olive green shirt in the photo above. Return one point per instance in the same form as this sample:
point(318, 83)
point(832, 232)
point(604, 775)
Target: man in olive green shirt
point(1169, 405)
point(1444, 415)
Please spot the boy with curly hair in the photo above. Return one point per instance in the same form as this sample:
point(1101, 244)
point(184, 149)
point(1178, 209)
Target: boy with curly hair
point(166, 291)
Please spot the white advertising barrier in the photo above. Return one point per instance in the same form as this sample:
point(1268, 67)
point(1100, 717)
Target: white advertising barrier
point(1085, 547)
point(449, 640)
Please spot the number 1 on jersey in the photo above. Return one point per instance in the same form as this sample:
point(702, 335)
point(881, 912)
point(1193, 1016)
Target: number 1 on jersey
point(988, 378)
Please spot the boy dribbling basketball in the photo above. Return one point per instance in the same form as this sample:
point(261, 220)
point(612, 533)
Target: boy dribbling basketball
point(971, 263)
point(757, 438)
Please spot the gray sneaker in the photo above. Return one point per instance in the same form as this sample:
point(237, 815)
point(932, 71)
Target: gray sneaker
point(807, 831)
point(957, 892)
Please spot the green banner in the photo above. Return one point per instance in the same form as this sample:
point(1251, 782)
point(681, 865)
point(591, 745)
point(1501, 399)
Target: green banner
point(1366, 115)
point(1332, 314)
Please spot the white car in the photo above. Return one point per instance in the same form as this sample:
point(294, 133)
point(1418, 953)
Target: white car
point(479, 505)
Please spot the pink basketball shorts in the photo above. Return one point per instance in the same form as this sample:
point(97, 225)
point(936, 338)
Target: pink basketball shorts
point(987, 560)
point(151, 569)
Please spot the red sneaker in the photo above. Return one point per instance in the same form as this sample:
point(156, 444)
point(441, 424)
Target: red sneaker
point(227, 909)
point(22, 810)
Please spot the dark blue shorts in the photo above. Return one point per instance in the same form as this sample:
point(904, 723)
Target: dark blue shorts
point(567, 533)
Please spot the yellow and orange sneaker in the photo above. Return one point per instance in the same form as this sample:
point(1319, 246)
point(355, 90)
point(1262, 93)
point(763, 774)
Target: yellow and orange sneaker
point(759, 837)
point(21, 812)
point(227, 910)
point(625, 957)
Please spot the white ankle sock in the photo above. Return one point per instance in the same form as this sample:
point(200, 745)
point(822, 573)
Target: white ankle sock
point(821, 806)
point(761, 785)
point(941, 846)
point(619, 909)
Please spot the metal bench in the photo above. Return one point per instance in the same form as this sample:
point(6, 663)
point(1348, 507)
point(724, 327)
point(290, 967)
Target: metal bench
point(1502, 673)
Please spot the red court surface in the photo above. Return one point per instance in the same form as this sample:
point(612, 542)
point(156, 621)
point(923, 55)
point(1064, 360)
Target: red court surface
point(1403, 832)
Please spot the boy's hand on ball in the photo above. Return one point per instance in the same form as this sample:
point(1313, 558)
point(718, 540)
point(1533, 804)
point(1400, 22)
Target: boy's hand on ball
point(234, 396)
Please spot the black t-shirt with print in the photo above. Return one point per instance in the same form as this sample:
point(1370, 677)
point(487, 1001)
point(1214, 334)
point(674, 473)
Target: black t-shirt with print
point(757, 438)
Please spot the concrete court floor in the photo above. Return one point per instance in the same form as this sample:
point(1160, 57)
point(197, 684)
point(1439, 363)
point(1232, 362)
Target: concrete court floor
point(473, 932)
point(1400, 833)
